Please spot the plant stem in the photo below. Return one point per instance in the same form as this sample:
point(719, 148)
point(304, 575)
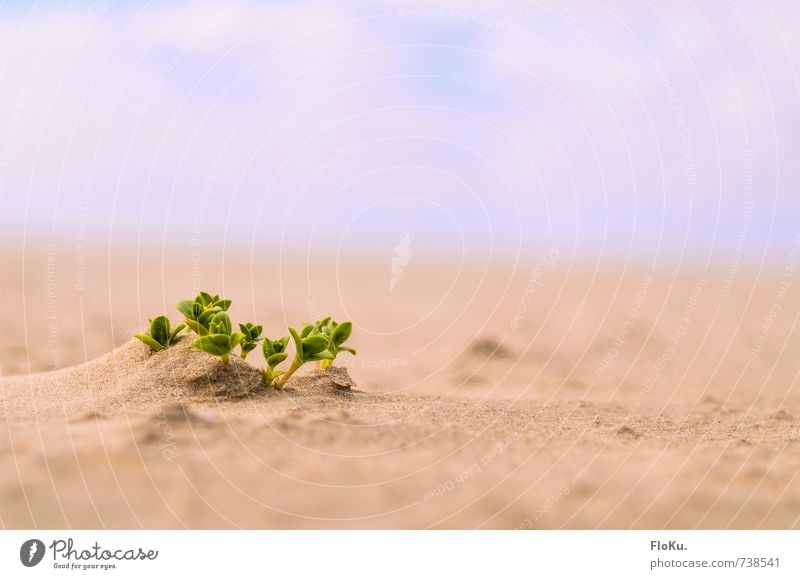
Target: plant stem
point(225, 358)
point(296, 363)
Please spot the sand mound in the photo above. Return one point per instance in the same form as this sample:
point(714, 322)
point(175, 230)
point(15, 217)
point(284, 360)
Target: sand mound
point(553, 432)
point(182, 441)
point(133, 379)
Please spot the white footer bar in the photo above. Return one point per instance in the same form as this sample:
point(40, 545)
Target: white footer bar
point(401, 554)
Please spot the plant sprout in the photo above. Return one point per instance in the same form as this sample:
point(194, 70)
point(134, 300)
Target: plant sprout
point(318, 342)
point(336, 334)
point(199, 312)
point(160, 336)
point(206, 315)
point(252, 336)
point(220, 339)
point(274, 354)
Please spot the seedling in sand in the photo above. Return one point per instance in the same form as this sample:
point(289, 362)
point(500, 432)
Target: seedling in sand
point(252, 336)
point(160, 336)
point(206, 315)
point(199, 312)
point(220, 339)
point(318, 342)
point(274, 354)
point(336, 334)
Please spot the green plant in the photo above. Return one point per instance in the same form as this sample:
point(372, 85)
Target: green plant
point(274, 354)
point(199, 312)
point(160, 336)
point(206, 315)
point(220, 339)
point(336, 334)
point(318, 342)
point(252, 336)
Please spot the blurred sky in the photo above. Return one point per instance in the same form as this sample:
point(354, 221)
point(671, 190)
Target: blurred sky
point(618, 130)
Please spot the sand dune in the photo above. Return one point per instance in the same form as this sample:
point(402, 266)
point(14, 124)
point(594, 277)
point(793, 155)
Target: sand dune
point(457, 420)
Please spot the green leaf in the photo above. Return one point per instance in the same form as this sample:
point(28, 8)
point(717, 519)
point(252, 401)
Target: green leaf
point(215, 344)
point(178, 329)
point(314, 344)
point(221, 324)
point(247, 347)
point(204, 319)
point(159, 330)
point(223, 304)
point(341, 333)
point(324, 355)
point(307, 329)
point(347, 349)
point(236, 339)
point(298, 343)
point(194, 326)
point(186, 307)
point(251, 332)
point(276, 359)
point(149, 341)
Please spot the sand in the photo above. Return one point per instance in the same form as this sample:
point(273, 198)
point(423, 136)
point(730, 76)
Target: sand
point(531, 395)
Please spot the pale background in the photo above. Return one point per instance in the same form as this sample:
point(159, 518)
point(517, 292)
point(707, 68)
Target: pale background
point(489, 130)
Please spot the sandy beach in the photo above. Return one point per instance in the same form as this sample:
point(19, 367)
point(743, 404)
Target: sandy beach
point(539, 394)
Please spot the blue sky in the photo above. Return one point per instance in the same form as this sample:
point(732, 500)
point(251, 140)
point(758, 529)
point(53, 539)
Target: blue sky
point(605, 130)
